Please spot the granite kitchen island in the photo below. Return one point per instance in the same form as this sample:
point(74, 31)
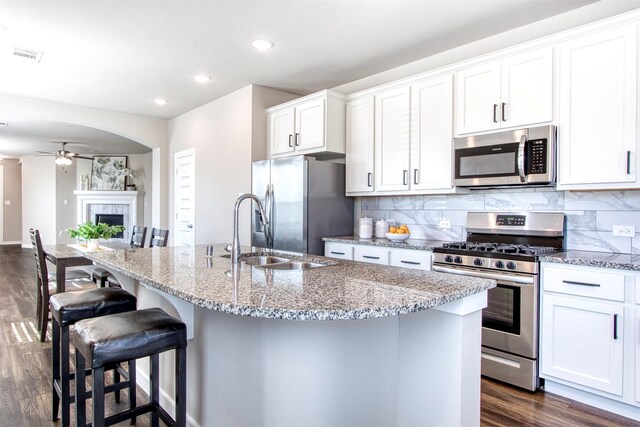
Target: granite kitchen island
point(348, 344)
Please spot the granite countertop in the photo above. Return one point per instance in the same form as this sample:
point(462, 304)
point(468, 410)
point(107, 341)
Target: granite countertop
point(417, 244)
point(595, 259)
point(341, 290)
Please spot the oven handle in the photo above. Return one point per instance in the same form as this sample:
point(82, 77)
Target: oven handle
point(495, 276)
point(521, 146)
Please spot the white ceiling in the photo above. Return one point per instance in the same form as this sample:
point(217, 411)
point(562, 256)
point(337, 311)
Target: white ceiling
point(119, 55)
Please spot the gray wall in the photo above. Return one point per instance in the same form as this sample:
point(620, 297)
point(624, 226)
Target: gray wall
point(12, 191)
point(591, 215)
point(65, 202)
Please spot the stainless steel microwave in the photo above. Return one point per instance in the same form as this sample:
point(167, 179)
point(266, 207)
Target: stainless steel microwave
point(518, 157)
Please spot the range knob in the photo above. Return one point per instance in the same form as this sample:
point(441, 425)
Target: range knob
point(478, 262)
point(448, 258)
point(458, 260)
point(499, 264)
point(511, 265)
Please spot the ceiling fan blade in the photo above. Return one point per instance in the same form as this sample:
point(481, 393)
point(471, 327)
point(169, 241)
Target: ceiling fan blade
point(82, 157)
point(46, 152)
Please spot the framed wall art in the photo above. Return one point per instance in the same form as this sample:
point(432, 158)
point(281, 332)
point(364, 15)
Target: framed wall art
point(107, 173)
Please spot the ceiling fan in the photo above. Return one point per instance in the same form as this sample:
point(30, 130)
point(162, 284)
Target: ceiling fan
point(64, 157)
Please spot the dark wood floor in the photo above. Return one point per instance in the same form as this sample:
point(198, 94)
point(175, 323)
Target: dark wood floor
point(25, 370)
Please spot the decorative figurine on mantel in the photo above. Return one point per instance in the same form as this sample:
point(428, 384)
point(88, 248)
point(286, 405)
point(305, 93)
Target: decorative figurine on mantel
point(129, 174)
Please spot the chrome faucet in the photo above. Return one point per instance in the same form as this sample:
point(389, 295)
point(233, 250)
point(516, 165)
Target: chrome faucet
point(235, 246)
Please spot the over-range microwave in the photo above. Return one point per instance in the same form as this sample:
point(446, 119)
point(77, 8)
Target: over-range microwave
point(518, 157)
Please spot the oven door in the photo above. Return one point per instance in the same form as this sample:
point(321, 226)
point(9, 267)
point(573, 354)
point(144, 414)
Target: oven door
point(510, 320)
point(498, 164)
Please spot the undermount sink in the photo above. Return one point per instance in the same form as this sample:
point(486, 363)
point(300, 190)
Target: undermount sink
point(293, 265)
point(263, 260)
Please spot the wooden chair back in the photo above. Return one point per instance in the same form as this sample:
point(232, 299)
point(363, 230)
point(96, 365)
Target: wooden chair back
point(138, 236)
point(159, 237)
point(42, 283)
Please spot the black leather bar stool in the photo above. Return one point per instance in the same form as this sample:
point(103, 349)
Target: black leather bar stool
point(124, 337)
point(66, 309)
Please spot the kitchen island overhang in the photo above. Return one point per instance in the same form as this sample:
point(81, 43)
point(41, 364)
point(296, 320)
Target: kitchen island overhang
point(402, 347)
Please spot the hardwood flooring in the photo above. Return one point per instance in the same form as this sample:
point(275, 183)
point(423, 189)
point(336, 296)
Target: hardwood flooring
point(25, 398)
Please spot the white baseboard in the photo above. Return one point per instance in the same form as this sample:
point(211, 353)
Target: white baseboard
point(169, 405)
point(18, 242)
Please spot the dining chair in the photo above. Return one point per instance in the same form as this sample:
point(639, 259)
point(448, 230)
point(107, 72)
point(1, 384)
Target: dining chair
point(138, 236)
point(45, 286)
point(159, 237)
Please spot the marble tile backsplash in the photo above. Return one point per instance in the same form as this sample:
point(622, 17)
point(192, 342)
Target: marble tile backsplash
point(591, 215)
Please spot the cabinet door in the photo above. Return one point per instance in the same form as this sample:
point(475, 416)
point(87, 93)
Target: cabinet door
point(338, 250)
point(360, 145)
point(418, 260)
point(432, 133)
point(392, 140)
point(478, 98)
point(371, 254)
point(281, 131)
point(597, 122)
point(582, 342)
point(310, 125)
point(527, 88)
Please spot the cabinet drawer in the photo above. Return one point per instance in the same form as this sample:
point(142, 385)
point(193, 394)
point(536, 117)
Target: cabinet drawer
point(420, 260)
point(371, 254)
point(584, 282)
point(338, 250)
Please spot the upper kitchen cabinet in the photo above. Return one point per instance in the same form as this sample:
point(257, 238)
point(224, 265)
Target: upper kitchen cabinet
point(360, 146)
point(597, 117)
point(515, 91)
point(392, 139)
point(432, 134)
point(314, 124)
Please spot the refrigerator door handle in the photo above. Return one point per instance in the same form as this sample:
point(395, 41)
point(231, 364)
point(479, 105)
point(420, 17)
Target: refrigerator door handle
point(268, 199)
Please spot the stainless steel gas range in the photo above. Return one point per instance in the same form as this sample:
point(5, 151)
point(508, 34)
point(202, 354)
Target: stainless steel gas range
point(505, 247)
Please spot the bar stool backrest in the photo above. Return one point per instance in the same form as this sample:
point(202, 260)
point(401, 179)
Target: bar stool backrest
point(138, 236)
point(159, 237)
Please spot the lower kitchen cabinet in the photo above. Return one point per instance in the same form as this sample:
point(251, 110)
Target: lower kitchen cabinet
point(419, 260)
point(338, 250)
point(371, 254)
point(407, 258)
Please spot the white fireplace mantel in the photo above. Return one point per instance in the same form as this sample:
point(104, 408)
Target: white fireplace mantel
point(86, 198)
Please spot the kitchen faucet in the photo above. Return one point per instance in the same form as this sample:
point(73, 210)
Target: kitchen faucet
point(235, 246)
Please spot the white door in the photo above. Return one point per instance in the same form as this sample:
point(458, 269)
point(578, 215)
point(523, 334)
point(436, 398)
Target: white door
point(597, 122)
point(527, 88)
point(281, 130)
point(478, 98)
point(360, 145)
point(184, 198)
point(310, 121)
point(392, 140)
point(582, 342)
point(431, 133)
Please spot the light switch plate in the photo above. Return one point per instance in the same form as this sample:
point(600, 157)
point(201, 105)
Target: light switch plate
point(7, 202)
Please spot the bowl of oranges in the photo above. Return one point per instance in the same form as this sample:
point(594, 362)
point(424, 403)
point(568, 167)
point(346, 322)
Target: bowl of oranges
point(398, 234)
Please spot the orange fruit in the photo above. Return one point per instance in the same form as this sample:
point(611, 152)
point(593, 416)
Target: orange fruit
point(392, 229)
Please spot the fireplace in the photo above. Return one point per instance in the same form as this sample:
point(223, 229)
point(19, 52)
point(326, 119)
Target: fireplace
point(109, 204)
point(111, 219)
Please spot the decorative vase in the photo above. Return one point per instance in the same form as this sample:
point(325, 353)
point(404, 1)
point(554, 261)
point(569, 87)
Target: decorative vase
point(93, 244)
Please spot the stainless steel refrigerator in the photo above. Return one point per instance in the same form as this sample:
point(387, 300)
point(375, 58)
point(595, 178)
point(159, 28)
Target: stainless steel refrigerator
point(305, 201)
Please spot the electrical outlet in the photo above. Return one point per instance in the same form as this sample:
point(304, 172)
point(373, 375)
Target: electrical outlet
point(624, 230)
point(445, 223)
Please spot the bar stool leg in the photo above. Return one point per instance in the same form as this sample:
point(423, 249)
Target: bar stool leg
point(64, 373)
point(132, 388)
point(116, 380)
point(155, 387)
point(55, 368)
point(181, 387)
point(81, 390)
point(98, 397)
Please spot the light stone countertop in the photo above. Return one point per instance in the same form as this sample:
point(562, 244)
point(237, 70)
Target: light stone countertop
point(596, 259)
point(415, 244)
point(341, 290)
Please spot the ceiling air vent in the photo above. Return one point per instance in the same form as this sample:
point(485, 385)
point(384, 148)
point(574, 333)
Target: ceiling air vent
point(26, 55)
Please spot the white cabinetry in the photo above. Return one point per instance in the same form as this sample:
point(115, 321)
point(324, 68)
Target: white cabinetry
point(597, 145)
point(515, 91)
point(360, 146)
point(371, 254)
point(338, 250)
point(314, 124)
point(418, 260)
point(407, 258)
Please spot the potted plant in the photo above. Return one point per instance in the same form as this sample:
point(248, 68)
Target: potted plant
point(92, 233)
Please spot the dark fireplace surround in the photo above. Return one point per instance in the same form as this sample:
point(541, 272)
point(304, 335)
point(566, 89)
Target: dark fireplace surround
point(111, 219)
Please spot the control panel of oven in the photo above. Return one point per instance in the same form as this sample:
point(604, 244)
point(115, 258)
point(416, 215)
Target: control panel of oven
point(486, 263)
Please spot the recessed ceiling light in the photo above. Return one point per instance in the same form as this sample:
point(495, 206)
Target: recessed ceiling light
point(262, 45)
point(201, 78)
point(160, 101)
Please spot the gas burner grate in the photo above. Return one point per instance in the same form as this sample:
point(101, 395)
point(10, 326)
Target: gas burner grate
point(499, 248)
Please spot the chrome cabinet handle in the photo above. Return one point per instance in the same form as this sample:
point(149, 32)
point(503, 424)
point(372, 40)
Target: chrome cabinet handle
point(615, 326)
point(370, 179)
point(405, 176)
point(495, 113)
point(628, 162)
point(290, 143)
point(337, 253)
point(415, 176)
point(409, 262)
point(370, 257)
point(571, 282)
point(504, 104)
point(297, 139)
point(521, 174)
